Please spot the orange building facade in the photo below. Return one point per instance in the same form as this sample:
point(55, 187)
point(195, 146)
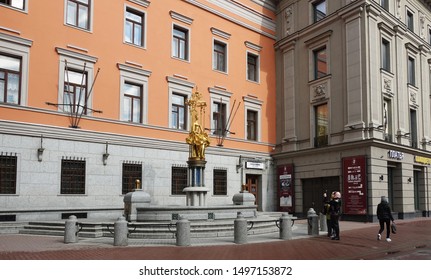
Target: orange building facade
point(93, 96)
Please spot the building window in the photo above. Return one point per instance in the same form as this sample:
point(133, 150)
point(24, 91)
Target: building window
point(179, 112)
point(75, 92)
point(386, 55)
point(385, 4)
point(78, 13)
point(132, 102)
point(411, 79)
point(252, 67)
point(8, 167)
point(387, 120)
point(220, 56)
point(134, 27)
point(19, 4)
point(220, 181)
point(179, 180)
point(219, 118)
point(10, 79)
point(251, 125)
point(180, 43)
point(131, 173)
point(320, 63)
point(72, 176)
point(413, 128)
point(410, 21)
point(319, 10)
point(322, 125)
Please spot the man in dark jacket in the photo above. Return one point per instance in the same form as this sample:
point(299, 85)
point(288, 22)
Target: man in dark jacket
point(384, 214)
point(335, 212)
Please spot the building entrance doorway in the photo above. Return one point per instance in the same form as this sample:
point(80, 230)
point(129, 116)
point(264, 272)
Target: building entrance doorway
point(313, 190)
point(252, 186)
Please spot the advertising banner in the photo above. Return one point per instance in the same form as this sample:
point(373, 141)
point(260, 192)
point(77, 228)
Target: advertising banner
point(354, 185)
point(285, 188)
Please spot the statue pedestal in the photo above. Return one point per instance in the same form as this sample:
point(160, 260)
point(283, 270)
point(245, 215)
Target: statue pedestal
point(196, 191)
point(196, 196)
point(132, 201)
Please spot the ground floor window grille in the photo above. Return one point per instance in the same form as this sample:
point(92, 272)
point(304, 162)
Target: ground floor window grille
point(179, 179)
point(220, 182)
point(8, 174)
point(131, 173)
point(72, 176)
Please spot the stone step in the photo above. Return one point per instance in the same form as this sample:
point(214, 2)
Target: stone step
point(149, 230)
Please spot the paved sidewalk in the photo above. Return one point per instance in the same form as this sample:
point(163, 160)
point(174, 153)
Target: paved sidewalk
point(358, 241)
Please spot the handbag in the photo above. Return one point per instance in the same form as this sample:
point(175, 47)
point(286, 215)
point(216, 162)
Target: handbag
point(393, 228)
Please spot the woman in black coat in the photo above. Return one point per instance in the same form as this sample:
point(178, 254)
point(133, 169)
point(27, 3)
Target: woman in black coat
point(384, 215)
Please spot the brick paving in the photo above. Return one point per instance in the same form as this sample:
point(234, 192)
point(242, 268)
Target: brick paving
point(358, 241)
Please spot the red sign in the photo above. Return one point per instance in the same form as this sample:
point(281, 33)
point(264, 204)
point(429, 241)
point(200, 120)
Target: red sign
point(354, 185)
point(285, 188)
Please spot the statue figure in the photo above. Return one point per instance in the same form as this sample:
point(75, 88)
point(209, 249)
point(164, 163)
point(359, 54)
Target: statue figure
point(198, 139)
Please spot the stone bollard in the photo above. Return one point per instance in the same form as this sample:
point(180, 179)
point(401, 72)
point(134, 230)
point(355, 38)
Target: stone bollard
point(323, 223)
point(71, 230)
point(183, 232)
point(240, 229)
point(313, 222)
point(285, 227)
point(121, 232)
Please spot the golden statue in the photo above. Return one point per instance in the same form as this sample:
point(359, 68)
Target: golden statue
point(198, 139)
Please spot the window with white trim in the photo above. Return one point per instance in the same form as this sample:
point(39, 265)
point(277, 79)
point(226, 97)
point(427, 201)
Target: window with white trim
point(220, 104)
point(180, 42)
point(220, 56)
point(252, 118)
point(17, 4)
point(178, 88)
point(14, 68)
point(134, 27)
point(78, 13)
point(253, 65)
point(76, 77)
point(133, 94)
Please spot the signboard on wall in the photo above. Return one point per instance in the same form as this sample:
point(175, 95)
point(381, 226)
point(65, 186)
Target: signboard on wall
point(354, 185)
point(285, 188)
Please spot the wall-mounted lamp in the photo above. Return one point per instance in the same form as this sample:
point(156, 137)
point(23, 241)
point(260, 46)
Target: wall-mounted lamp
point(105, 155)
point(381, 177)
point(40, 150)
point(409, 179)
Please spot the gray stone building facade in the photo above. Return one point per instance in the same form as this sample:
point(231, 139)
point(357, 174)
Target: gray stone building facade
point(353, 110)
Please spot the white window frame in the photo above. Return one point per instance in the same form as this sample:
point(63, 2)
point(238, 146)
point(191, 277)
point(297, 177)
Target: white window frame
point(226, 71)
point(138, 76)
point(253, 104)
point(189, 34)
point(257, 66)
point(25, 3)
point(90, 15)
point(223, 96)
point(75, 61)
point(179, 86)
point(144, 30)
point(20, 47)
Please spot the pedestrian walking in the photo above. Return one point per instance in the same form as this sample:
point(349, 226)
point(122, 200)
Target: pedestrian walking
point(384, 214)
point(335, 212)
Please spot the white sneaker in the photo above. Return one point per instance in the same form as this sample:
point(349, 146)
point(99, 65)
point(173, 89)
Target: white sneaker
point(388, 239)
point(379, 236)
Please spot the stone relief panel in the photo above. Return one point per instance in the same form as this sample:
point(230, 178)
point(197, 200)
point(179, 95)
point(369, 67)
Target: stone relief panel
point(319, 91)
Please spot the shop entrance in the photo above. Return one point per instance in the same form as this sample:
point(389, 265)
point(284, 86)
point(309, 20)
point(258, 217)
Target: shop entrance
point(313, 190)
point(252, 186)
